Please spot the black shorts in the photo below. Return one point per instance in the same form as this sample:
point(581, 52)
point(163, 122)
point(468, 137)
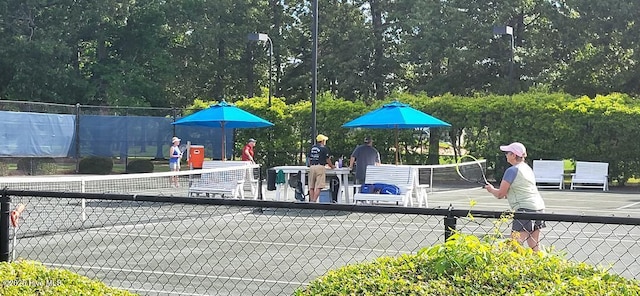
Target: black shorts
point(528, 225)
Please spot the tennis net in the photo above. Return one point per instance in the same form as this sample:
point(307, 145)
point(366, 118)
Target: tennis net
point(49, 215)
point(163, 183)
point(445, 178)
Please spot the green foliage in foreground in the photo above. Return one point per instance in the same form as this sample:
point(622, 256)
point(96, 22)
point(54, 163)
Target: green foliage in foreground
point(32, 278)
point(466, 265)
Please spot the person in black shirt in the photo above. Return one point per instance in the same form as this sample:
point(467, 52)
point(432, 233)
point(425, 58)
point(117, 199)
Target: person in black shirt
point(364, 155)
point(318, 159)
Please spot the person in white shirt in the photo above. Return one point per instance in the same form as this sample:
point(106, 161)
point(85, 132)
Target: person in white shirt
point(518, 186)
point(175, 155)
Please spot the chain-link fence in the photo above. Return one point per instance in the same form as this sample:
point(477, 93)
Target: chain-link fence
point(163, 245)
point(49, 139)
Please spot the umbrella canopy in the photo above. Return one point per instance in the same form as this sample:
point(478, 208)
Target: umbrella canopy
point(223, 115)
point(395, 115)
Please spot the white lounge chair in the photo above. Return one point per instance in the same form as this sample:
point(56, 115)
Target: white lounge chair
point(401, 176)
point(591, 175)
point(549, 173)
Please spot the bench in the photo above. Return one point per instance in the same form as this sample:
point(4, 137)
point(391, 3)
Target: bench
point(549, 173)
point(220, 181)
point(401, 176)
point(250, 179)
point(590, 175)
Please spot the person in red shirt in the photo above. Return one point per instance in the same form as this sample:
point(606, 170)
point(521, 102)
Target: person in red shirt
point(247, 151)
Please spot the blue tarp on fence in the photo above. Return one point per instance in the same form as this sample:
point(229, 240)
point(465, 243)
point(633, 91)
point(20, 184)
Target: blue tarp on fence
point(24, 134)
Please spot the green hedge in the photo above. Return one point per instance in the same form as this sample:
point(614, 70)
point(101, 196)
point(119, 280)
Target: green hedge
point(32, 278)
point(466, 265)
point(37, 165)
point(551, 125)
point(4, 168)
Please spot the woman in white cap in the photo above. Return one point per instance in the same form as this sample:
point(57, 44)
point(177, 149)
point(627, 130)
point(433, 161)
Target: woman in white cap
point(518, 186)
point(175, 155)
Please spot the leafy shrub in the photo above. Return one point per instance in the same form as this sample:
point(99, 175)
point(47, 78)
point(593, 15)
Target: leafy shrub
point(37, 165)
point(26, 165)
point(466, 265)
point(140, 166)
point(47, 166)
point(96, 165)
point(4, 168)
point(32, 278)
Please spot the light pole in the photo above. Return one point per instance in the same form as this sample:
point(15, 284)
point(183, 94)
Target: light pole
point(314, 69)
point(507, 30)
point(257, 37)
point(264, 37)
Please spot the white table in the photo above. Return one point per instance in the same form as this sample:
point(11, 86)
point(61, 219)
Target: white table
point(341, 173)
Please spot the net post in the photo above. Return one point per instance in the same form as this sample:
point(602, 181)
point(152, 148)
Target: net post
point(83, 213)
point(431, 179)
point(449, 224)
point(4, 226)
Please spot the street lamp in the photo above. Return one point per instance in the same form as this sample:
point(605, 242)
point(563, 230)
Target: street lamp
point(265, 38)
point(507, 30)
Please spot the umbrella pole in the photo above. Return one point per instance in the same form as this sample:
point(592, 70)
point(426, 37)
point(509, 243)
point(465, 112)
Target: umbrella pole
point(397, 149)
point(223, 158)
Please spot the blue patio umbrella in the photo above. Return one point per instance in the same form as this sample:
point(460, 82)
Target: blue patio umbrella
point(223, 115)
point(395, 115)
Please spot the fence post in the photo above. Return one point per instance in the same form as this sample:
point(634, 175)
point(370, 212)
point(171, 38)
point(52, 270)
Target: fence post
point(77, 138)
point(260, 197)
point(449, 224)
point(174, 114)
point(4, 226)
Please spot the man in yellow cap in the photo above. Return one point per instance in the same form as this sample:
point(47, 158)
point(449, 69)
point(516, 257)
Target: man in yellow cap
point(318, 159)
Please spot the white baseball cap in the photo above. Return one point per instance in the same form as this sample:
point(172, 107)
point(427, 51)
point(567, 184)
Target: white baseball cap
point(516, 148)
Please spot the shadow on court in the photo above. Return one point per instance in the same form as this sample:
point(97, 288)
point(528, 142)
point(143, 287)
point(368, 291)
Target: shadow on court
point(116, 204)
point(299, 212)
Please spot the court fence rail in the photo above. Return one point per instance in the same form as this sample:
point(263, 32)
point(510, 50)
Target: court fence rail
point(164, 245)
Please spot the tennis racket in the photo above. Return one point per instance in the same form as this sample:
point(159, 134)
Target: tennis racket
point(183, 148)
point(472, 170)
